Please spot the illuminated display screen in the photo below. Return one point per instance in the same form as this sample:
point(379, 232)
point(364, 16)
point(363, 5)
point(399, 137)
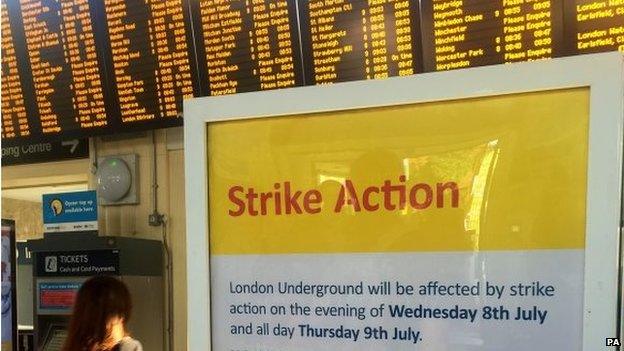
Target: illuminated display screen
point(359, 39)
point(152, 70)
point(8, 327)
point(57, 296)
point(14, 116)
point(79, 68)
point(594, 26)
point(247, 45)
point(66, 71)
point(468, 33)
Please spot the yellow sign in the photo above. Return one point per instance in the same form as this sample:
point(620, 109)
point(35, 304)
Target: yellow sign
point(496, 173)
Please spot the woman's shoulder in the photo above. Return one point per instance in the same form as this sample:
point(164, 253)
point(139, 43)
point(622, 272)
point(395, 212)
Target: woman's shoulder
point(129, 344)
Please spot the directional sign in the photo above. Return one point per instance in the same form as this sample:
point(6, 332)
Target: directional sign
point(72, 144)
point(37, 152)
point(77, 263)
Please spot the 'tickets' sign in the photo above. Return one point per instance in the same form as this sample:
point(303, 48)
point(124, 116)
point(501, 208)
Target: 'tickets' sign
point(77, 263)
point(450, 225)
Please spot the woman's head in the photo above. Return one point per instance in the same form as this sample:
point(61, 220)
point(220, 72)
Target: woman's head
point(101, 310)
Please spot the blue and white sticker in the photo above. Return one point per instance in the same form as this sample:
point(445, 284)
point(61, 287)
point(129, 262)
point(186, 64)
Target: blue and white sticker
point(70, 212)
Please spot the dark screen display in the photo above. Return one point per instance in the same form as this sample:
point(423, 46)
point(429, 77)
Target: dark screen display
point(594, 26)
point(78, 68)
point(247, 45)
point(347, 40)
point(65, 82)
point(15, 122)
point(469, 33)
point(65, 65)
point(150, 59)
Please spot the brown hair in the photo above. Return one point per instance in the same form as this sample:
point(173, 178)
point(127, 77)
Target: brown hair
point(99, 300)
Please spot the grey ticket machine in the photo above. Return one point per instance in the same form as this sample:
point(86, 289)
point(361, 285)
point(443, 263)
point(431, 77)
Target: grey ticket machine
point(62, 262)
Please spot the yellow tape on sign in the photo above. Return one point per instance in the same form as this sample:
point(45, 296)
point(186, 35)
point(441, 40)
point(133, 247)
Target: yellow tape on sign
point(496, 173)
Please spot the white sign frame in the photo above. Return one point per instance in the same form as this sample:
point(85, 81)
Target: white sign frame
point(602, 73)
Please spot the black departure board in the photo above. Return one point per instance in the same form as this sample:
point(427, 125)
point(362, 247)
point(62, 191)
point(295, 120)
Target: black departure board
point(14, 117)
point(79, 68)
point(468, 33)
point(594, 26)
point(150, 59)
point(347, 40)
point(65, 67)
point(247, 45)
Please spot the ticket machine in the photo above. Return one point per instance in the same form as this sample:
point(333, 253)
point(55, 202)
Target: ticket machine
point(62, 262)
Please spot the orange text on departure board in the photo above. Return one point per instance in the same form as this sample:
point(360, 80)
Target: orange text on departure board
point(385, 30)
point(71, 38)
point(162, 76)
point(524, 32)
point(248, 45)
point(14, 118)
point(600, 25)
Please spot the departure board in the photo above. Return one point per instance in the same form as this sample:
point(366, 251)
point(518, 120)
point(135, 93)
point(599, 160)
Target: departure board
point(347, 40)
point(152, 69)
point(79, 68)
point(14, 116)
point(66, 70)
point(594, 26)
point(468, 33)
point(247, 45)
